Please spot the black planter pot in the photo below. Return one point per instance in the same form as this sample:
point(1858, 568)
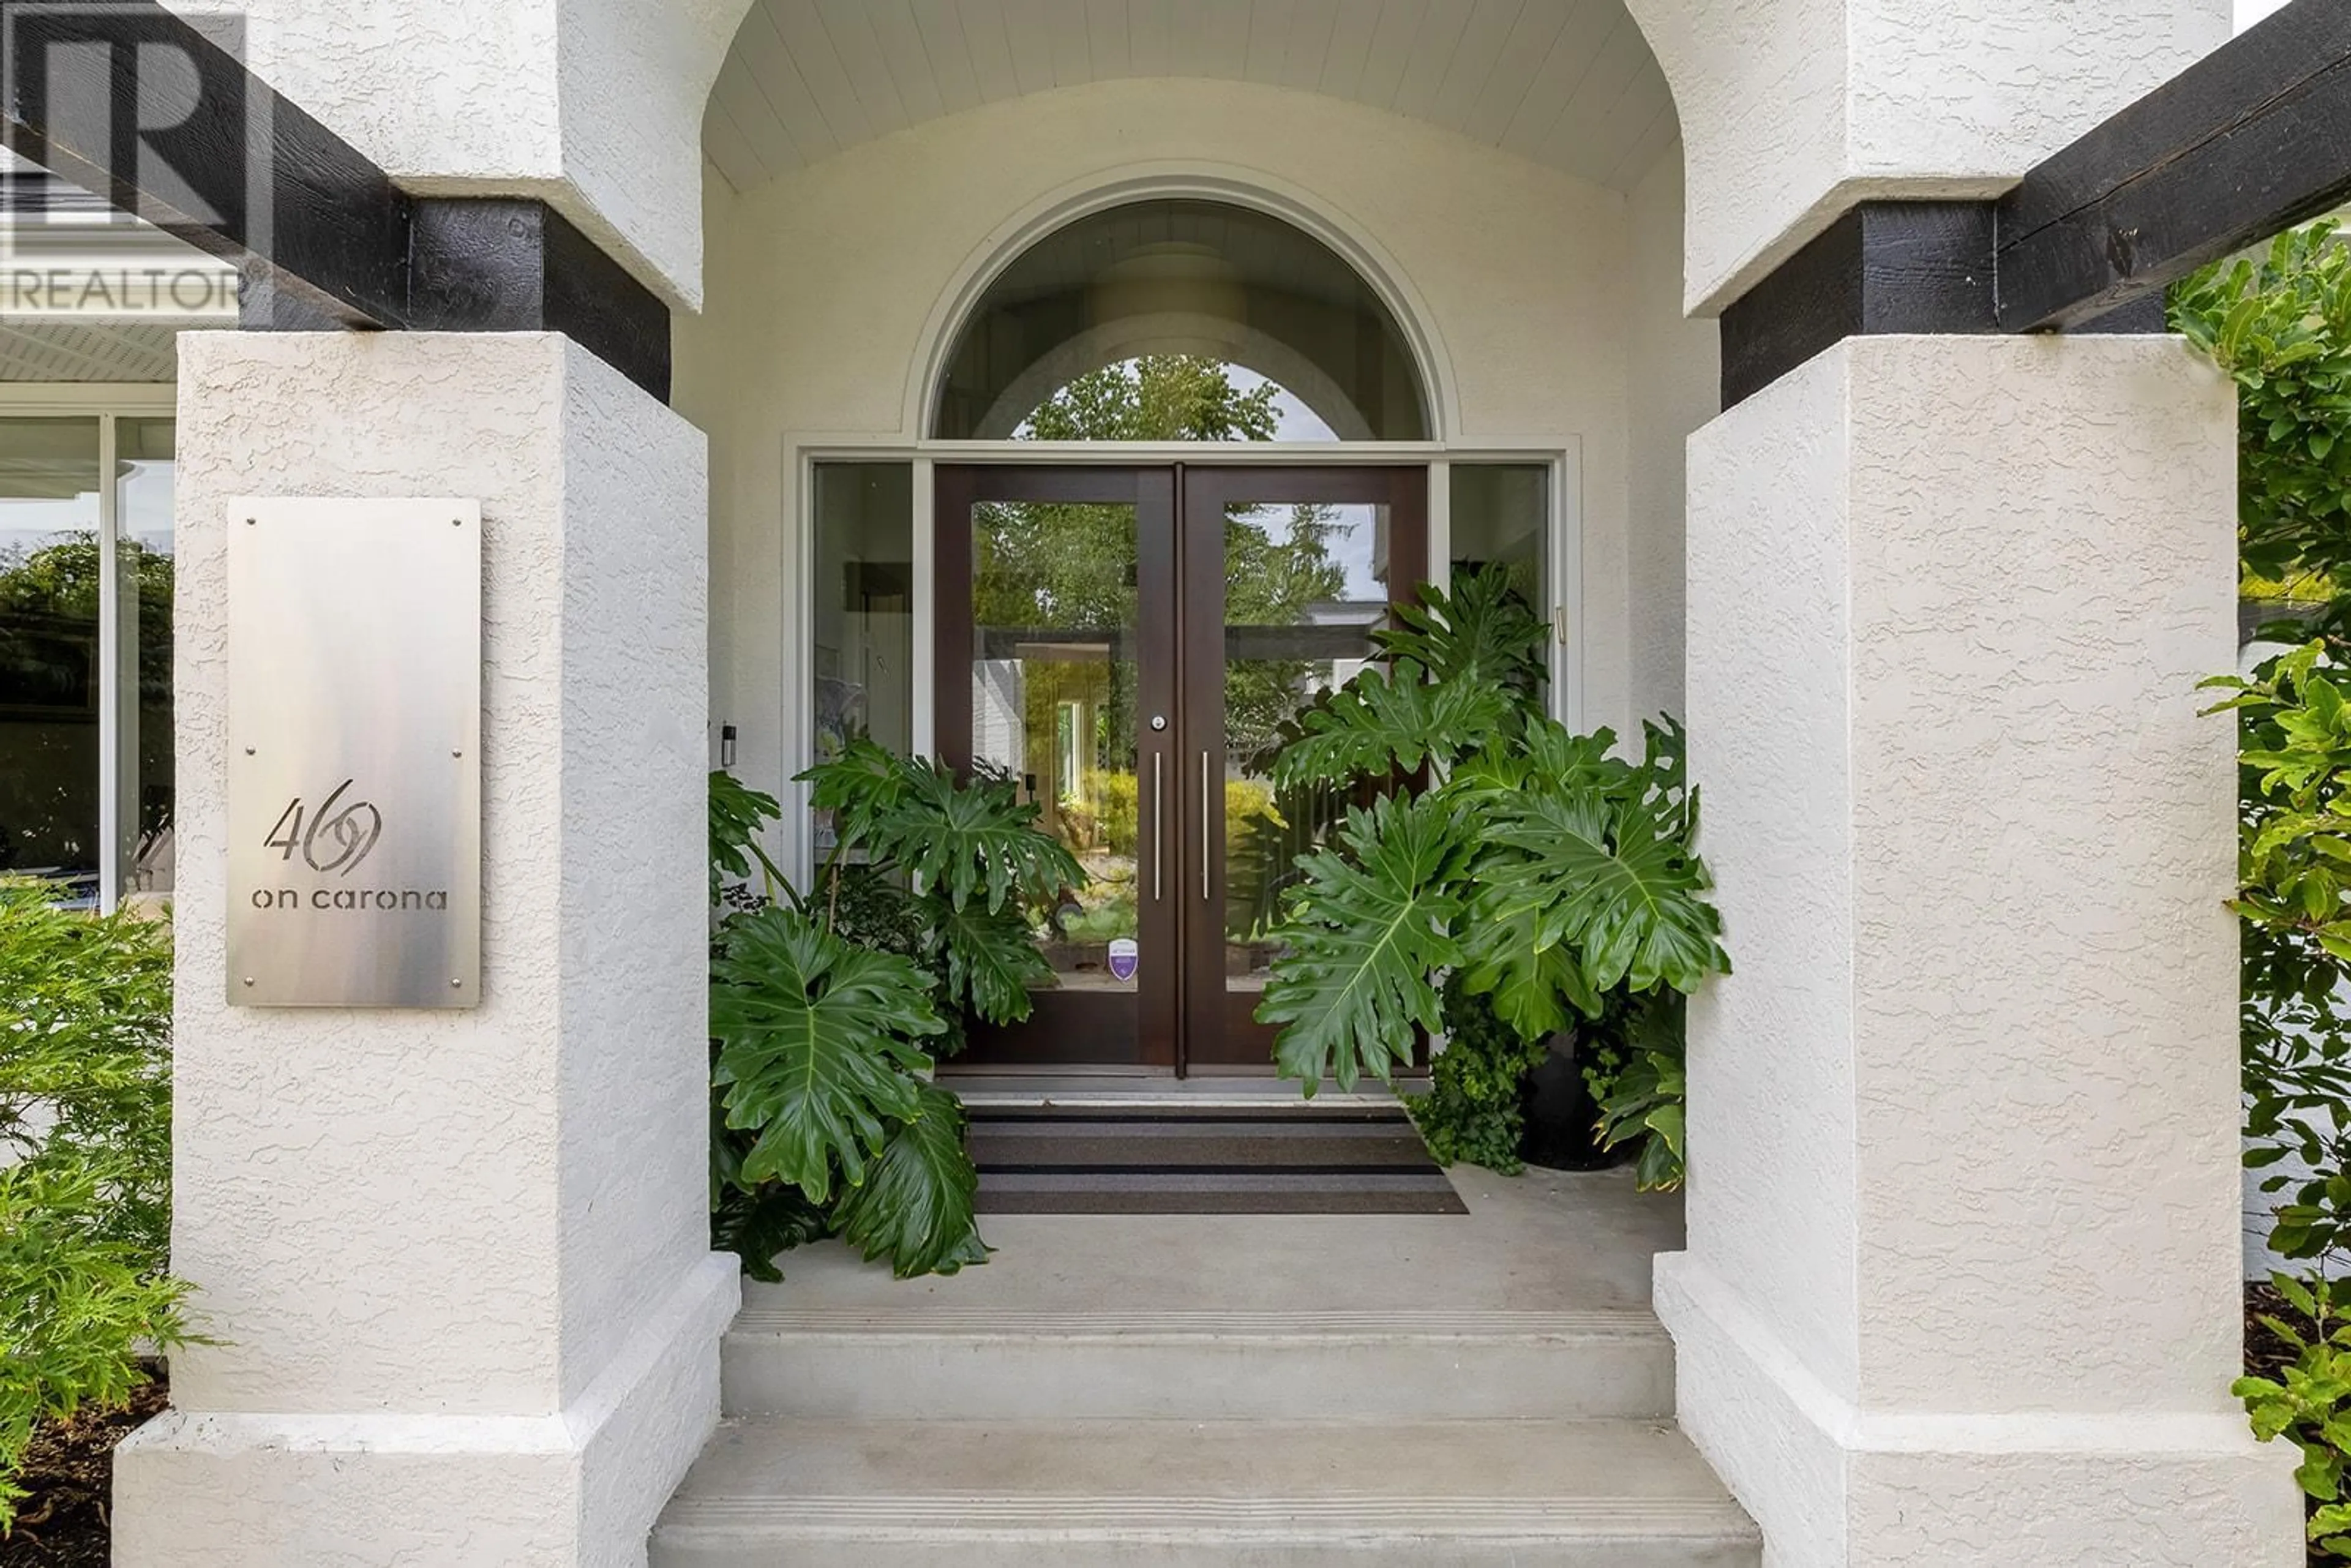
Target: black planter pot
point(1562, 1121)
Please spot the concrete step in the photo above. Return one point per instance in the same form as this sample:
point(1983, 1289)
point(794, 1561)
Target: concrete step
point(1187, 1494)
point(935, 1359)
point(1185, 1137)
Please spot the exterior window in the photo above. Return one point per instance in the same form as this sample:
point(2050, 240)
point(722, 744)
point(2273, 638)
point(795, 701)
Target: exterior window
point(86, 654)
point(1157, 320)
point(51, 657)
point(1501, 517)
point(143, 467)
point(863, 645)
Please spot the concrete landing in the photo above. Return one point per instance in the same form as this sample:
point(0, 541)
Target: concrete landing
point(1545, 1241)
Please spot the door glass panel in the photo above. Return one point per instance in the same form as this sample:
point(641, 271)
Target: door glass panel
point(1053, 686)
point(50, 654)
point(1304, 586)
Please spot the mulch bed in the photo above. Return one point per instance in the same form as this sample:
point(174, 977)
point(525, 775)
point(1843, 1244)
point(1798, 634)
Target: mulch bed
point(2265, 1353)
point(70, 1470)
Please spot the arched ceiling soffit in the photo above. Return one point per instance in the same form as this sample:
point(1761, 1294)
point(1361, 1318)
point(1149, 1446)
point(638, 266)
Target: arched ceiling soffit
point(1567, 83)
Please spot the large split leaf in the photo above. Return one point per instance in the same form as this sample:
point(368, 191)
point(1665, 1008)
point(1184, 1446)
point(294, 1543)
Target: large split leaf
point(988, 957)
point(916, 1208)
point(1373, 924)
point(1534, 982)
point(1387, 722)
point(738, 814)
point(819, 1041)
point(1547, 756)
point(1599, 875)
point(859, 784)
point(972, 841)
point(1481, 630)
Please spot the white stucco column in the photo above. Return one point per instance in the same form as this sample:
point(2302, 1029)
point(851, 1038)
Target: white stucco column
point(1961, 1281)
point(457, 1261)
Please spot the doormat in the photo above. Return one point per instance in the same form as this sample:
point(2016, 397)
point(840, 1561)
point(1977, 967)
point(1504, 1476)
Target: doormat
point(1210, 1160)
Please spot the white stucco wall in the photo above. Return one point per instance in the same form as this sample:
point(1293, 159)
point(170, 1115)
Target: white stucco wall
point(1674, 385)
point(1974, 1082)
point(1795, 110)
point(829, 287)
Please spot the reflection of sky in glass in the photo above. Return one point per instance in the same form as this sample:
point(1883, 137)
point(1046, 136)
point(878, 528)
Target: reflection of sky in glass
point(1294, 420)
point(28, 524)
point(1352, 544)
point(146, 500)
point(31, 524)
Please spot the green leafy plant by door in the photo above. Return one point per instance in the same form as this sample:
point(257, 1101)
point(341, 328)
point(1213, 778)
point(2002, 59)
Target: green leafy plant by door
point(831, 1008)
point(1490, 854)
point(84, 1163)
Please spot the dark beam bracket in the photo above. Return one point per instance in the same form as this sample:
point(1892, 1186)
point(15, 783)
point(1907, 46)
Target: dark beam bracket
point(494, 265)
point(1885, 267)
point(2252, 139)
point(323, 238)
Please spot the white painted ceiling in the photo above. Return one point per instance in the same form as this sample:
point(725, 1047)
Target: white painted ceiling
point(113, 350)
point(1568, 83)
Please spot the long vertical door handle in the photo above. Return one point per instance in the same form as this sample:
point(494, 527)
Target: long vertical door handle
point(1158, 824)
point(1203, 827)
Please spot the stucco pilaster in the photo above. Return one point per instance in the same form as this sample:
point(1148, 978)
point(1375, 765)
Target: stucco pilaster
point(456, 1262)
point(1961, 1282)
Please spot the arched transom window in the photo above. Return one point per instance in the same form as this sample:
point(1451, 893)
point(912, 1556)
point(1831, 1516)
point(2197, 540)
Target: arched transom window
point(1180, 319)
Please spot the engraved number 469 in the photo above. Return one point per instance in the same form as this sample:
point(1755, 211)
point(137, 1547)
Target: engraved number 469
point(332, 840)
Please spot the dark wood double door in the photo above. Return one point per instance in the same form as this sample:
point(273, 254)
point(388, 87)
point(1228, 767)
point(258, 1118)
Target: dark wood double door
point(1129, 643)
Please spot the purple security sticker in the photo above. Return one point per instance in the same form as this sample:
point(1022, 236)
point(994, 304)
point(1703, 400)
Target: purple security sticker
point(1126, 957)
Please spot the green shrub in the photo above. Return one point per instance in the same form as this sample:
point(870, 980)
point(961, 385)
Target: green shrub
point(2309, 1403)
point(84, 1163)
point(1475, 1110)
point(1121, 796)
point(2280, 325)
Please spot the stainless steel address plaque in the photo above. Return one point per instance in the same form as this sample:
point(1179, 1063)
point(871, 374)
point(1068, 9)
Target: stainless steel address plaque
point(354, 754)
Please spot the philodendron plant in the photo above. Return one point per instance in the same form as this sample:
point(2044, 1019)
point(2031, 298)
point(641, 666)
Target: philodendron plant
point(831, 1007)
point(1486, 846)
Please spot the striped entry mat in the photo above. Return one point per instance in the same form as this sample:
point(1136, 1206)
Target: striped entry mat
point(1282, 1159)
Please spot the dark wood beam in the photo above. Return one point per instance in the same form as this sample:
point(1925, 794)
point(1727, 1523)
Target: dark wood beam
point(1885, 267)
point(493, 264)
point(157, 115)
point(2252, 139)
point(152, 113)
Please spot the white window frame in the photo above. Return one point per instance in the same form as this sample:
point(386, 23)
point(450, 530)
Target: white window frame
point(106, 402)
